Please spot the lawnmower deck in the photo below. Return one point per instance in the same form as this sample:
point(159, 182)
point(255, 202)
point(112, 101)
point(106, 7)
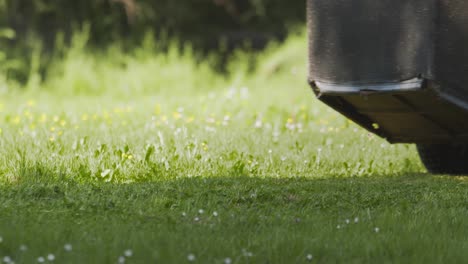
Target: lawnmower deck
point(422, 115)
point(397, 67)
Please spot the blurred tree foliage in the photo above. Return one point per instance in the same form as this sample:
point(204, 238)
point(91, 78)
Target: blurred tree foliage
point(35, 33)
point(202, 21)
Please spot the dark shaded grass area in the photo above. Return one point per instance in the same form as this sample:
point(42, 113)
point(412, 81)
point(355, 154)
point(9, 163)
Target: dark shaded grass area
point(420, 219)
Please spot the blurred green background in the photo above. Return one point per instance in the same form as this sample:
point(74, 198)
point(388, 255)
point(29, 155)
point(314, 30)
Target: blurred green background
point(199, 20)
point(34, 32)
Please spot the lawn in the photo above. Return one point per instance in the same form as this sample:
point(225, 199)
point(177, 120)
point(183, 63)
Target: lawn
point(154, 158)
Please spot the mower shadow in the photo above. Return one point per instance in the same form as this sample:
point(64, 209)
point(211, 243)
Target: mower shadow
point(334, 194)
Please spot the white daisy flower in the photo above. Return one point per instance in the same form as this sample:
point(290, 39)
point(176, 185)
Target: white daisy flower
point(191, 257)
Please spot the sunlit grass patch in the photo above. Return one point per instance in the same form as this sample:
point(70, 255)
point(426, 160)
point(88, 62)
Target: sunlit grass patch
point(143, 138)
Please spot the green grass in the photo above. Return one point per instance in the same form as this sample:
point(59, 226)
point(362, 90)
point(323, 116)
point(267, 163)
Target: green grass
point(420, 218)
point(117, 151)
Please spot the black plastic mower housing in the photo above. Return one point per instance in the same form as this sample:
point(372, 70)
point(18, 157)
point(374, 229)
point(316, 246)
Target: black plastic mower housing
point(399, 68)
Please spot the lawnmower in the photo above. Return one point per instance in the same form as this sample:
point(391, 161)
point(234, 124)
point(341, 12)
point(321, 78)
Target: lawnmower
point(398, 68)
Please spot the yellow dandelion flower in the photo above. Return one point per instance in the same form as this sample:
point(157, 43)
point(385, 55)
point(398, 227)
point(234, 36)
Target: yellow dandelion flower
point(325, 122)
point(16, 120)
point(290, 120)
point(31, 103)
point(177, 115)
point(157, 109)
point(130, 157)
point(190, 119)
point(52, 129)
point(84, 117)
point(52, 138)
point(63, 123)
point(43, 118)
